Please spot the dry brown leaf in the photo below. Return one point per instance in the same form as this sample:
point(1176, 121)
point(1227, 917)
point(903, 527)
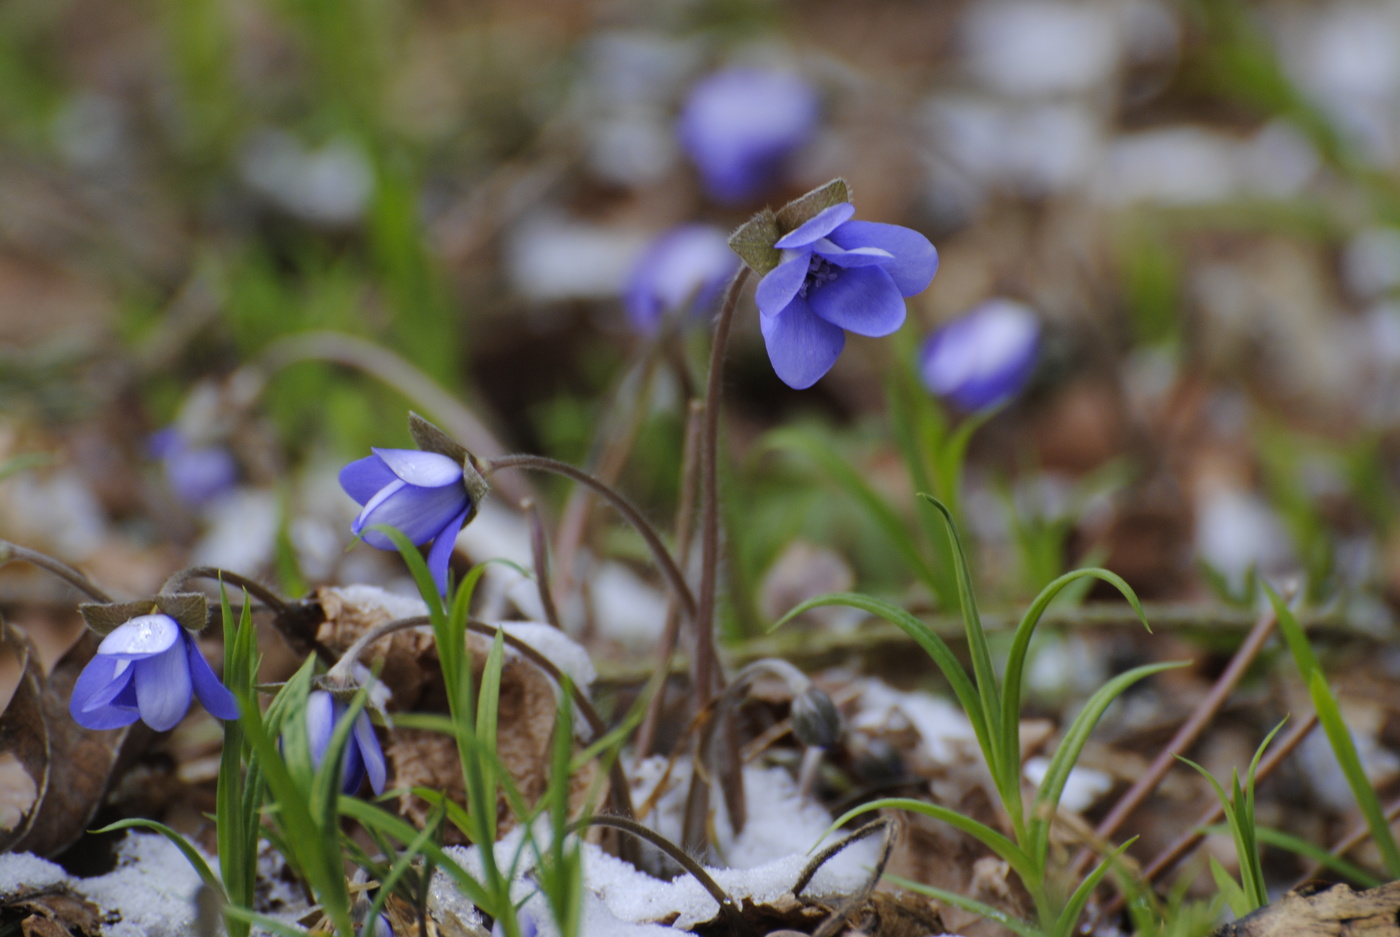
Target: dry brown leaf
point(24, 743)
point(1316, 910)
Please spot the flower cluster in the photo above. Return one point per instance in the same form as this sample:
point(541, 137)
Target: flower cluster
point(984, 357)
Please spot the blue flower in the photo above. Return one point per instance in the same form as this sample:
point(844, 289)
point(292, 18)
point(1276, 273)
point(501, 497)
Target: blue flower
point(739, 126)
point(145, 669)
point(423, 494)
point(837, 276)
point(685, 267)
point(983, 357)
point(197, 474)
point(363, 756)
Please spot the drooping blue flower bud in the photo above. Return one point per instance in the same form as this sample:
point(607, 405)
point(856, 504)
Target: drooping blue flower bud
point(984, 357)
point(363, 755)
point(427, 495)
point(146, 668)
point(197, 473)
point(740, 125)
point(825, 275)
point(686, 267)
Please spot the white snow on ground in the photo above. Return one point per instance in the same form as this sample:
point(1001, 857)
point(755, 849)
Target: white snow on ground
point(26, 871)
point(152, 887)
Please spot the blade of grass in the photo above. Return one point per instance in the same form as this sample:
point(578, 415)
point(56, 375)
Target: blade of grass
point(1015, 925)
point(1069, 917)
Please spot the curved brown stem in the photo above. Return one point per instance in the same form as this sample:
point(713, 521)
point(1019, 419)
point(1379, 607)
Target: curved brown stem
point(540, 553)
point(13, 551)
point(674, 578)
point(254, 588)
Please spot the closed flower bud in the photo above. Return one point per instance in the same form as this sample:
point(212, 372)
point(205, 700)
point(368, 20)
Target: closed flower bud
point(815, 720)
point(363, 754)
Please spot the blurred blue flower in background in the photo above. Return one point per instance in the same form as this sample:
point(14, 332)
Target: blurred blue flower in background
point(422, 494)
point(686, 267)
point(983, 357)
point(146, 669)
point(739, 125)
point(836, 276)
point(363, 755)
point(197, 474)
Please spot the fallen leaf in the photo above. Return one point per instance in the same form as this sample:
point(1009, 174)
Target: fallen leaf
point(1317, 910)
point(24, 743)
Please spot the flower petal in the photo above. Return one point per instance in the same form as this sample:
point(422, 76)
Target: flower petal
point(420, 513)
point(372, 505)
point(856, 257)
point(370, 750)
point(424, 469)
point(141, 637)
point(915, 258)
point(214, 696)
point(782, 283)
point(440, 556)
point(163, 688)
point(801, 346)
point(363, 478)
point(320, 723)
point(818, 226)
point(100, 682)
point(984, 356)
point(352, 767)
point(863, 300)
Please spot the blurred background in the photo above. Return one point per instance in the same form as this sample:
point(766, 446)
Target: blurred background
point(1197, 203)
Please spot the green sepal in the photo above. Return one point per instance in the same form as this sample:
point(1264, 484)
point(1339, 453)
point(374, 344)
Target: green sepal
point(754, 240)
point(431, 439)
point(803, 209)
point(190, 609)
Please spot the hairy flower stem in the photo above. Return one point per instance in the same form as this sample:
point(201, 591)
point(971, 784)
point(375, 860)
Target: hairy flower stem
point(708, 680)
point(1185, 736)
point(254, 588)
point(539, 552)
point(297, 621)
point(619, 796)
point(13, 551)
point(669, 569)
point(685, 514)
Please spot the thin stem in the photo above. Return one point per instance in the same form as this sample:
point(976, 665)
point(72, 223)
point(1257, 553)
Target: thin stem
point(707, 677)
point(13, 551)
point(1185, 736)
point(685, 514)
point(669, 569)
point(822, 858)
point(540, 554)
point(259, 591)
point(727, 906)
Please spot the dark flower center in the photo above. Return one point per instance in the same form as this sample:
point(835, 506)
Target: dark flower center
point(820, 271)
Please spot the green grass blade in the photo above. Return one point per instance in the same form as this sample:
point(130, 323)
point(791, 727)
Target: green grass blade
point(1069, 917)
point(487, 710)
point(924, 636)
point(370, 816)
point(268, 923)
point(1308, 850)
point(186, 848)
point(1234, 895)
point(1343, 746)
point(1047, 798)
point(1015, 925)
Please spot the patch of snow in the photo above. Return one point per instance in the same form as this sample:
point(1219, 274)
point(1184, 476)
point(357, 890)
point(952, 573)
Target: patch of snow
point(627, 609)
point(944, 727)
point(555, 258)
point(152, 888)
point(1082, 788)
point(390, 604)
point(557, 647)
point(242, 531)
point(1040, 47)
point(24, 871)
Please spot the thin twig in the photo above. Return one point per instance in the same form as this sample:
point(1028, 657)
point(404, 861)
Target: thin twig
point(540, 554)
point(1185, 736)
point(254, 588)
point(13, 551)
point(822, 858)
point(1354, 837)
point(832, 925)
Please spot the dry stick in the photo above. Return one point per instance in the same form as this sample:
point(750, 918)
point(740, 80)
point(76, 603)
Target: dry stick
point(1184, 738)
point(833, 924)
point(620, 793)
point(399, 374)
point(685, 513)
point(669, 569)
point(13, 551)
point(259, 591)
point(1188, 841)
point(1355, 837)
point(540, 555)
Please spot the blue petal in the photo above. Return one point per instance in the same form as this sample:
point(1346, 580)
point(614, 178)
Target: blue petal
point(420, 513)
point(95, 688)
point(141, 637)
point(424, 469)
point(372, 505)
point(782, 283)
point(214, 696)
point(801, 346)
point(863, 300)
point(915, 258)
point(859, 257)
point(320, 723)
point(352, 767)
point(818, 226)
point(686, 266)
point(983, 357)
point(440, 556)
point(163, 688)
point(368, 744)
point(363, 478)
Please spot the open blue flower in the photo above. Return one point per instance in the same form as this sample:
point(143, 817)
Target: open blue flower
point(197, 474)
point(146, 669)
point(685, 267)
point(739, 126)
point(423, 494)
point(363, 755)
point(983, 357)
point(837, 276)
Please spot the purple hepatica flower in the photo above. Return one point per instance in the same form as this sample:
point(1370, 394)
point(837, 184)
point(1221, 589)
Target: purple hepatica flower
point(145, 669)
point(363, 756)
point(837, 276)
point(984, 357)
point(686, 266)
point(739, 126)
point(197, 474)
point(420, 493)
